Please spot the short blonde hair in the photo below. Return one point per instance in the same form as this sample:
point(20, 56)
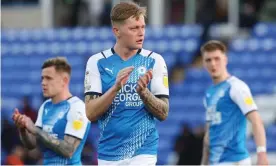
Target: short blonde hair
point(125, 10)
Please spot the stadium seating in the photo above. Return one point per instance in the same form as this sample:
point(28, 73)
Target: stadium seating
point(253, 60)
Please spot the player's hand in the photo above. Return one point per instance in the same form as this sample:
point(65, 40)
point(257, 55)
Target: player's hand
point(143, 81)
point(29, 124)
point(18, 119)
point(123, 76)
point(262, 159)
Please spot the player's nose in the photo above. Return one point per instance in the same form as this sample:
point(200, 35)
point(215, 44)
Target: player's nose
point(212, 63)
point(141, 32)
point(43, 83)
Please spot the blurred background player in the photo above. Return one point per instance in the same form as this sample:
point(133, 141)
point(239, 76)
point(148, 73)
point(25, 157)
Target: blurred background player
point(229, 103)
point(126, 88)
point(61, 127)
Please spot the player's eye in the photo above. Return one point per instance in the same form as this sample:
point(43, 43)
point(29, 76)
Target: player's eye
point(217, 58)
point(46, 78)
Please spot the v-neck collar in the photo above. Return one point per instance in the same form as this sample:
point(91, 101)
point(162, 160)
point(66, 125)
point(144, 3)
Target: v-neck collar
point(113, 51)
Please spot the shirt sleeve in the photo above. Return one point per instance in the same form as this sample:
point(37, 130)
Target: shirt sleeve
point(159, 83)
point(92, 82)
point(76, 120)
point(241, 95)
point(38, 122)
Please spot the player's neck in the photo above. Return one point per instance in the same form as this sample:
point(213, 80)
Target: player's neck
point(61, 97)
point(221, 78)
point(124, 52)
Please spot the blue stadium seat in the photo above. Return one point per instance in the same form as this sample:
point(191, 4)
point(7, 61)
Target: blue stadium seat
point(251, 145)
point(170, 58)
point(271, 131)
point(197, 75)
point(264, 30)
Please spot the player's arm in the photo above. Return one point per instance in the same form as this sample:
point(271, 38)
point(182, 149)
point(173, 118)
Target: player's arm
point(259, 133)
point(76, 127)
point(31, 134)
point(65, 148)
point(28, 139)
point(95, 103)
point(159, 107)
point(205, 152)
point(156, 99)
point(242, 96)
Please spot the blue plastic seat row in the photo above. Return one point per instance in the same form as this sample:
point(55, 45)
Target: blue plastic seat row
point(64, 34)
point(262, 30)
point(253, 44)
point(82, 47)
point(249, 58)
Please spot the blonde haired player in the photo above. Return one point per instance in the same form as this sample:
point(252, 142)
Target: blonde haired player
point(229, 103)
point(126, 90)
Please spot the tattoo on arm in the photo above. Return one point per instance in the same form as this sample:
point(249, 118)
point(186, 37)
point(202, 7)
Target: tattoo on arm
point(88, 98)
point(28, 139)
point(65, 147)
point(158, 107)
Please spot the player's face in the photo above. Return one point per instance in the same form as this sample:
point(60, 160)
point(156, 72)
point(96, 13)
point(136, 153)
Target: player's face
point(131, 33)
point(215, 62)
point(52, 82)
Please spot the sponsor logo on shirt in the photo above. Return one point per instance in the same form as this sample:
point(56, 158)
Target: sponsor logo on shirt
point(109, 70)
point(213, 115)
point(49, 129)
point(129, 96)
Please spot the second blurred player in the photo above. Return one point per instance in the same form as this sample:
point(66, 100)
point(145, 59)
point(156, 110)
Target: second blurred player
point(229, 103)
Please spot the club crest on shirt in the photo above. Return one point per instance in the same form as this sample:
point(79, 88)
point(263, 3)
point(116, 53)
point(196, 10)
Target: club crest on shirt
point(60, 115)
point(221, 93)
point(141, 70)
point(217, 96)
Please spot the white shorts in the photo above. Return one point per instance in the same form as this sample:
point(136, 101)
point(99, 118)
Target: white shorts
point(246, 161)
point(136, 160)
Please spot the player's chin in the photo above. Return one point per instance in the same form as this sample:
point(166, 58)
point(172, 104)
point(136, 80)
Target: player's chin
point(215, 76)
point(47, 95)
point(138, 45)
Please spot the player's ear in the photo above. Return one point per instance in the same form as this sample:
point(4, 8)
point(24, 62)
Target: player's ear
point(116, 31)
point(226, 59)
point(66, 78)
